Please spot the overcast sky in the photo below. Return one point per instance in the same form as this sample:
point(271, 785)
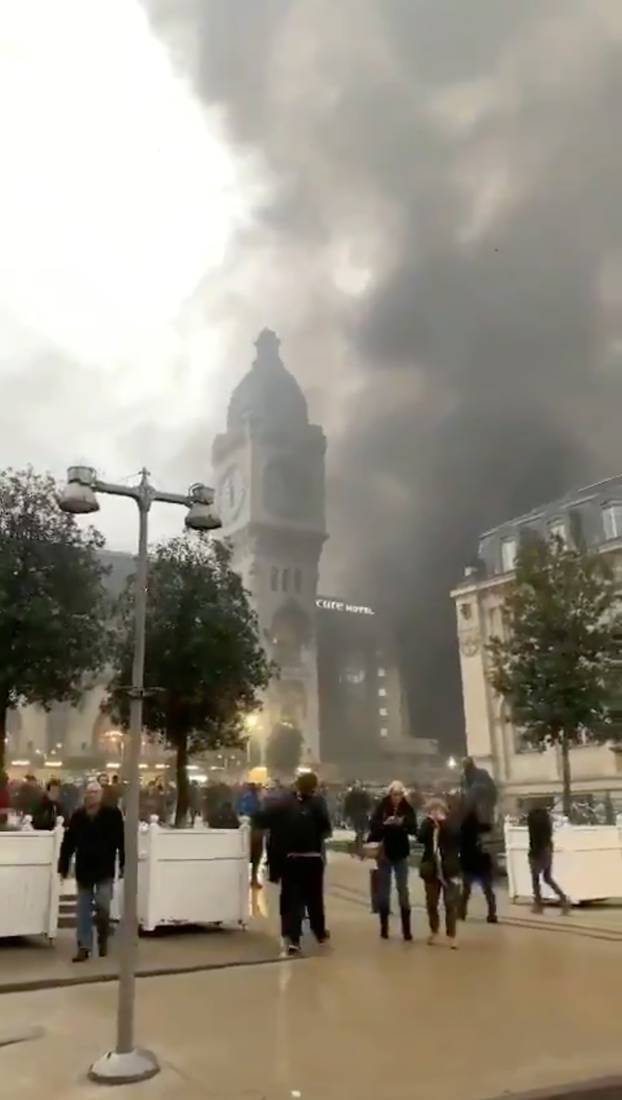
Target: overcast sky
point(422, 198)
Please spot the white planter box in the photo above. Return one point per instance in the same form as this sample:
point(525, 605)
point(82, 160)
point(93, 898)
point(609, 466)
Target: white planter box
point(587, 862)
point(191, 876)
point(29, 882)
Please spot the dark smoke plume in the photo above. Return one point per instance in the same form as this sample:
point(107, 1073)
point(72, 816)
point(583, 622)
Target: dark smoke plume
point(446, 216)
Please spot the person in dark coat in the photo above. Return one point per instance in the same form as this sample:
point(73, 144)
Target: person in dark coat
point(540, 829)
point(476, 863)
point(224, 817)
point(49, 808)
point(440, 868)
point(95, 836)
point(480, 791)
point(299, 825)
point(393, 823)
point(356, 807)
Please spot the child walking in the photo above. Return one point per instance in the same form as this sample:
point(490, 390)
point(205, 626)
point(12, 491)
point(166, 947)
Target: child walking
point(440, 869)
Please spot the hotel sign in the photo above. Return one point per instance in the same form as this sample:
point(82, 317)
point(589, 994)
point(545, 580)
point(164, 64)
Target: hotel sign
point(340, 605)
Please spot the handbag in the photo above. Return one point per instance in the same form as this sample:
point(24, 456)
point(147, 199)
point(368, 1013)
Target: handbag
point(373, 888)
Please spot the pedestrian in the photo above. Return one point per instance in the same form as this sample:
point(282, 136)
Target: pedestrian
point(299, 825)
point(356, 808)
point(440, 868)
point(224, 817)
point(29, 796)
point(95, 836)
point(480, 791)
point(249, 804)
point(5, 799)
point(476, 863)
point(393, 823)
point(113, 793)
point(49, 808)
point(540, 829)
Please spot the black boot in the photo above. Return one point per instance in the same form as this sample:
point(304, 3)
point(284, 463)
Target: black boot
point(384, 923)
point(102, 936)
point(81, 955)
point(406, 932)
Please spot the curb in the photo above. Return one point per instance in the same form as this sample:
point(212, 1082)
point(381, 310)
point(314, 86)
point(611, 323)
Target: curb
point(37, 985)
point(605, 1088)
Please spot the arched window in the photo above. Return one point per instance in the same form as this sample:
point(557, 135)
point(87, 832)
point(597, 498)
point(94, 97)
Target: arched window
point(285, 580)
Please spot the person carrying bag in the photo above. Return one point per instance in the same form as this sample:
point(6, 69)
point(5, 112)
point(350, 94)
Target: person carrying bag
point(392, 825)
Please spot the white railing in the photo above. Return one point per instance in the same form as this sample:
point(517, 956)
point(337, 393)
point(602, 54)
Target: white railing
point(29, 882)
point(587, 862)
point(191, 876)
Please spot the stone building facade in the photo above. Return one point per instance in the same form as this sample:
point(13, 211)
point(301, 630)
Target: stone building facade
point(591, 517)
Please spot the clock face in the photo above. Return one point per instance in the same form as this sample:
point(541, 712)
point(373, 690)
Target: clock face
point(231, 495)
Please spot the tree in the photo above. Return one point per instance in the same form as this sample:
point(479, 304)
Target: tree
point(558, 667)
point(53, 605)
point(204, 665)
point(284, 749)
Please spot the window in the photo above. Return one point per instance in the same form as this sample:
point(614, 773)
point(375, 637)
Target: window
point(297, 580)
point(274, 579)
point(382, 692)
point(384, 732)
point(557, 530)
point(508, 555)
point(612, 521)
point(353, 676)
point(383, 712)
point(285, 580)
point(382, 672)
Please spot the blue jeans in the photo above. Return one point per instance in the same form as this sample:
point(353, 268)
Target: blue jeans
point(99, 897)
point(386, 869)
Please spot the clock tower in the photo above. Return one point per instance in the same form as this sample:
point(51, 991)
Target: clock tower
point(269, 475)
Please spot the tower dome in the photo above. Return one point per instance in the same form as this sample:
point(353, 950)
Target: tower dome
point(268, 394)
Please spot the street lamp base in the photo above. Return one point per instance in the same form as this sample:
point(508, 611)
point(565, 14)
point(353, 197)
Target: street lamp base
point(124, 1069)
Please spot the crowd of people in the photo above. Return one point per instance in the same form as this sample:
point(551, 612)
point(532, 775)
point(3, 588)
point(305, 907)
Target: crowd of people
point(291, 824)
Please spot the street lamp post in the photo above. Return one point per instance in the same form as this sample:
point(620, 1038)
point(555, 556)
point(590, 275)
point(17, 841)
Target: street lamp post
point(127, 1063)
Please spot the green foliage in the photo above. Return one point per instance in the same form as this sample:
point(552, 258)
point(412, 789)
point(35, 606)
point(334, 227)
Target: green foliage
point(204, 665)
point(53, 607)
point(284, 749)
point(558, 666)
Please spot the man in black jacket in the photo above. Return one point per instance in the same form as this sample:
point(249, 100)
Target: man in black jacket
point(49, 808)
point(299, 825)
point(95, 835)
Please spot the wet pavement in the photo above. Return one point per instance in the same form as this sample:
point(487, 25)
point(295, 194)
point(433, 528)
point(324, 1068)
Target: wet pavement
point(518, 1007)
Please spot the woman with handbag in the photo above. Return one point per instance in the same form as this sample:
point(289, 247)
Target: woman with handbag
point(392, 824)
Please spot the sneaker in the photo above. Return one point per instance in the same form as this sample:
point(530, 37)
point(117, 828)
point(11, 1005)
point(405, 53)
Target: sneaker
point(452, 943)
point(82, 955)
point(492, 919)
point(566, 908)
point(293, 950)
point(325, 938)
point(432, 939)
point(537, 908)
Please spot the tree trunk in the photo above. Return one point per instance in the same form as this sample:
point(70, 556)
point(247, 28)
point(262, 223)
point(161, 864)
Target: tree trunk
point(566, 777)
point(181, 809)
point(4, 710)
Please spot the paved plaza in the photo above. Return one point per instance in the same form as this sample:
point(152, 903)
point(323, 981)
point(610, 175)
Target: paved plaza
point(528, 1004)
